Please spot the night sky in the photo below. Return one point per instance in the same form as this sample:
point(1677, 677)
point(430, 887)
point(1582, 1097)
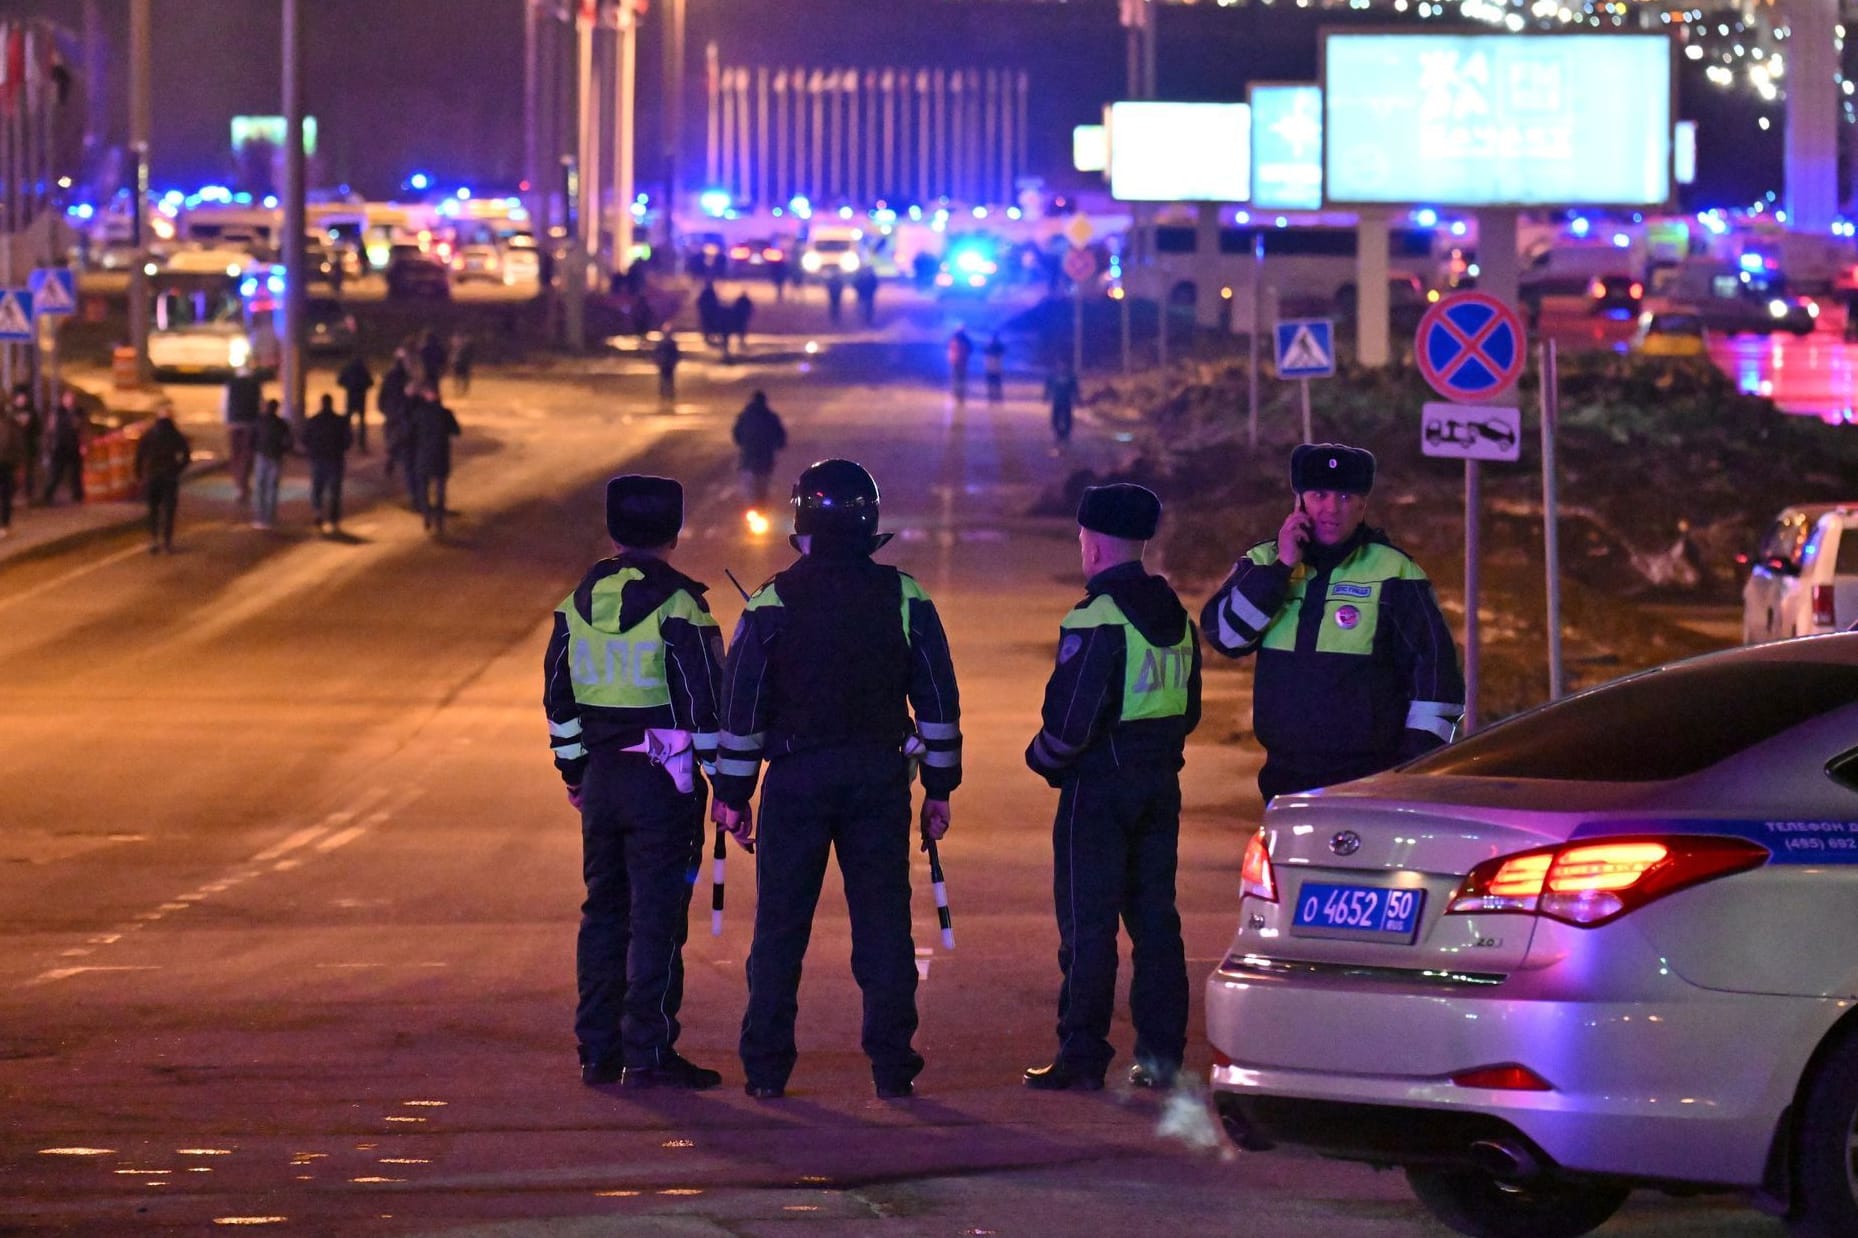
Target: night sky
point(399, 85)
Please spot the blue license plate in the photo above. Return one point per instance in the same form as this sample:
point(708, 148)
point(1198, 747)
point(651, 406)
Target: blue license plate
point(1373, 910)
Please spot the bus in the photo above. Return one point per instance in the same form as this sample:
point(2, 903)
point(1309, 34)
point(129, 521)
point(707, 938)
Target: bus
point(211, 320)
point(1308, 267)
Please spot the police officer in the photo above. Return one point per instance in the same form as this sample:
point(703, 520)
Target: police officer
point(1356, 666)
point(630, 686)
point(1118, 708)
point(825, 670)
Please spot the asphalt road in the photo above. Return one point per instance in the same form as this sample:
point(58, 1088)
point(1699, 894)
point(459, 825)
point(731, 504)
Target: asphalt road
point(288, 886)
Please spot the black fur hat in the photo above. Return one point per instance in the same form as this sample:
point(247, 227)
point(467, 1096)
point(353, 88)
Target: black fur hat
point(1331, 466)
point(644, 511)
point(1123, 510)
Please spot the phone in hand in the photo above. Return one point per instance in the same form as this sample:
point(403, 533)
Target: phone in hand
point(1302, 533)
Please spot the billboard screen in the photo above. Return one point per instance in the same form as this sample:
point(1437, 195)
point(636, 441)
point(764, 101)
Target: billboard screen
point(1180, 152)
point(1497, 119)
point(1287, 146)
point(1090, 148)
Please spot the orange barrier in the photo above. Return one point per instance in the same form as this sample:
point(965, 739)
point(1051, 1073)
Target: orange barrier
point(109, 464)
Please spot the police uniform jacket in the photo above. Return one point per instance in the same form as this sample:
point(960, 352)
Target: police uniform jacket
point(838, 650)
point(1355, 661)
point(1126, 688)
point(633, 647)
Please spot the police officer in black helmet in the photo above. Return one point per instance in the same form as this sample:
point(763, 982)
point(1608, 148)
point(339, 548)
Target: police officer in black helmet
point(838, 666)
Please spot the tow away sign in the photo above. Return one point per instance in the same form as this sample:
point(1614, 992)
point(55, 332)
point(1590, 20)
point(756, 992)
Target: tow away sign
point(1471, 432)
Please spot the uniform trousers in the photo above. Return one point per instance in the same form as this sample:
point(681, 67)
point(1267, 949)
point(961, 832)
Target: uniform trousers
point(854, 800)
point(1114, 845)
point(641, 842)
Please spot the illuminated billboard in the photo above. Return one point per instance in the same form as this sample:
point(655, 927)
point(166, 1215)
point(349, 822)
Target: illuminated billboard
point(1497, 119)
point(1090, 148)
point(270, 130)
point(1180, 152)
point(1287, 146)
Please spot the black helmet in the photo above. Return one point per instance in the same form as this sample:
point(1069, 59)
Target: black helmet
point(836, 498)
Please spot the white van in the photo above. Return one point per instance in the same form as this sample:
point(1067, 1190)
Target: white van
point(1803, 576)
point(832, 247)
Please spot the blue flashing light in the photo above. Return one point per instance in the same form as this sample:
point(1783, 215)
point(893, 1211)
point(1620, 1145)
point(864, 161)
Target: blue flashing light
point(243, 199)
point(248, 286)
point(1013, 212)
point(1426, 217)
point(1579, 226)
point(800, 206)
point(1242, 217)
point(1459, 227)
point(1753, 262)
point(713, 202)
point(916, 214)
point(778, 212)
point(270, 202)
point(1621, 241)
point(419, 180)
point(275, 283)
point(464, 193)
point(845, 212)
point(83, 210)
point(980, 212)
point(1281, 222)
point(173, 195)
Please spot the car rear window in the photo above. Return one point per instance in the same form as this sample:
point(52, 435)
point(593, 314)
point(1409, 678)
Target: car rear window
point(1650, 728)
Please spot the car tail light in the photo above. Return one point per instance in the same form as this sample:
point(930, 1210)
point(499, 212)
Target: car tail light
point(1596, 289)
point(1509, 1077)
point(1825, 614)
point(1255, 876)
point(1636, 289)
point(740, 253)
point(772, 255)
point(1590, 883)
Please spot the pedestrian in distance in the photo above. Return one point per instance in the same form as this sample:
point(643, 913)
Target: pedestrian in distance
point(993, 368)
point(434, 427)
point(835, 295)
point(161, 458)
point(240, 404)
point(710, 315)
point(272, 442)
point(326, 440)
point(1356, 667)
point(12, 459)
point(739, 315)
point(433, 354)
point(758, 434)
point(355, 380)
point(666, 355)
point(31, 428)
point(627, 734)
point(64, 449)
point(778, 272)
point(864, 287)
point(394, 399)
point(960, 354)
point(1061, 391)
point(827, 666)
point(463, 358)
point(1119, 705)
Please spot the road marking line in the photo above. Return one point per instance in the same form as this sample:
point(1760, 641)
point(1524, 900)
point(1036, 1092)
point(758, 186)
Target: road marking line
point(344, 837)
point(65, 973)
point(300, 838)
point(132, 553)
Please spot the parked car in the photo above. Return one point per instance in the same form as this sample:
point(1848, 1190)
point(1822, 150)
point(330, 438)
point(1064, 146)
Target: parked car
point(1617, 295)
point(522, 261)
point(1671, 333)
point(328, 327)
point(412, 273)
point(479, 261)
point(1606, 943)
point(1803, 575)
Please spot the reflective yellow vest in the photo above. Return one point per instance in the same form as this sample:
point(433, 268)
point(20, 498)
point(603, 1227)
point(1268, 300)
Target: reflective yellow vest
point(1154, 676)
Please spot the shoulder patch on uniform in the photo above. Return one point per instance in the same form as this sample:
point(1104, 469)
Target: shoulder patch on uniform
point(1068, 648)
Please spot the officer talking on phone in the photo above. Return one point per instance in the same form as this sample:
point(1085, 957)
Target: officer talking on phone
point(1357, 670)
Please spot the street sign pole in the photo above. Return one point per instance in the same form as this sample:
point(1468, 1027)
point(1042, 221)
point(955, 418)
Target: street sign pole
point(1551, 515)
point(1077, 327)
point(1251, 429)
point(1308, 437)
point(1473, 510)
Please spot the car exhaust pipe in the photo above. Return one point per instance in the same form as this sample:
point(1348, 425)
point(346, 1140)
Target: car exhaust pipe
point(1505, 1160)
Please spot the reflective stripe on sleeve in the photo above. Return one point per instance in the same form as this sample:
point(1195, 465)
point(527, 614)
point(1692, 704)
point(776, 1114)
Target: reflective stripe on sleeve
point(729, 768)
point(939, 730)
point(942, 760)
point(742, 743)
point(703, 739)
point(564, 730)
point(1436, 717)
point(1241, 609)
point(569, 752)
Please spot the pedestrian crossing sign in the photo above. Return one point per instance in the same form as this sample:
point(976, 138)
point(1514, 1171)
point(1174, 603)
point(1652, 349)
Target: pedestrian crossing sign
point(53, 292)
point(15, 314)
point(1306, 348)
